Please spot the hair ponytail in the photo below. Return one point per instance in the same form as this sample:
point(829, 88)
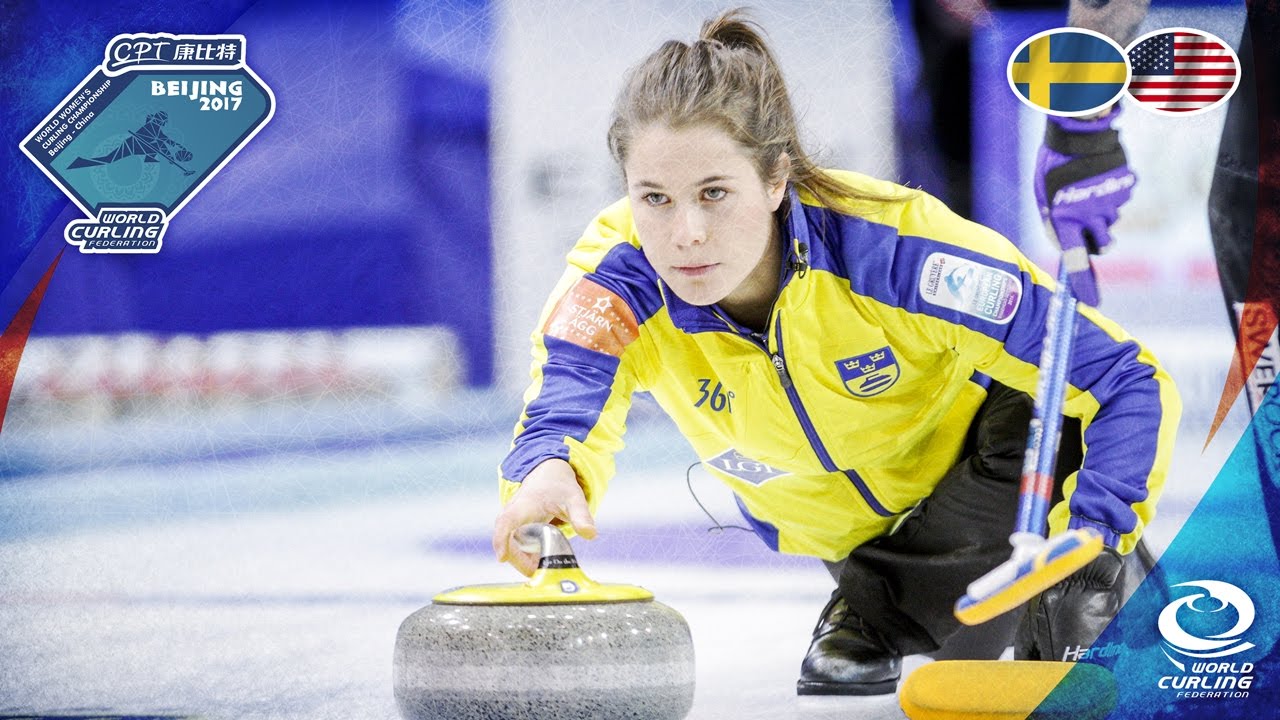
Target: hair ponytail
point(727, 78)
point(735, 31)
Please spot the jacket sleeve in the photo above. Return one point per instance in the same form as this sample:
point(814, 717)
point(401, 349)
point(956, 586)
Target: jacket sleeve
point(585, 357)
point(969, 288)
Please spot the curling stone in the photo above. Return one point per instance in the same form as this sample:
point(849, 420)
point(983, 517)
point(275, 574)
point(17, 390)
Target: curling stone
point(558, 646)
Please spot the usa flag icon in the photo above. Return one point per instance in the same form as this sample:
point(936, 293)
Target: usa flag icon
point(1181, 71)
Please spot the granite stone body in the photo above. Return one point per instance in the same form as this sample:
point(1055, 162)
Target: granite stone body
point(619, 660)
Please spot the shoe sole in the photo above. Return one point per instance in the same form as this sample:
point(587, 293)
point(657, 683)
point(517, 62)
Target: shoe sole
point(811, 687)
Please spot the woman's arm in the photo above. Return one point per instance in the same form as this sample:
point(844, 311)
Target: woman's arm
point(587, 361)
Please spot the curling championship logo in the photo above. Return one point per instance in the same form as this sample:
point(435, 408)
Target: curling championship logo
point(145, 131)
point(1201, 630)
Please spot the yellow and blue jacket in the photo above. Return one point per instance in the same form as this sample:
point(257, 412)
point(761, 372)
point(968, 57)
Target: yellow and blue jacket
point(848, 409)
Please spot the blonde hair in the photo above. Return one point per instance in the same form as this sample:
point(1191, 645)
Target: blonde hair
point(729, 79)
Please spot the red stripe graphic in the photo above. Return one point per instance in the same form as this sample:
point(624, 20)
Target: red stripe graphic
point(1262, 296)
point(14, 338)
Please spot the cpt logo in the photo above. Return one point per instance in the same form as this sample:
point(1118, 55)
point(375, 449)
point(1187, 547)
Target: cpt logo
point(870, 373)
point(1207, 613)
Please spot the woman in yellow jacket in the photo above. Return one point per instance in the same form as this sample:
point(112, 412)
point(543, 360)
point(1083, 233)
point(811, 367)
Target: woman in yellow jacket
point(850, 357)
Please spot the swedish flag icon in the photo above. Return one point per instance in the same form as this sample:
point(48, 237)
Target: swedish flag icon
point(1068, 71)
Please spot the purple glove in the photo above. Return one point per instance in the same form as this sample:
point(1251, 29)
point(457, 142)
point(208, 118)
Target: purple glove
point(1082, 179)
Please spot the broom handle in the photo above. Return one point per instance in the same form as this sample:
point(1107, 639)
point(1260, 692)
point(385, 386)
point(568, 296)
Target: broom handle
point(1046, 422)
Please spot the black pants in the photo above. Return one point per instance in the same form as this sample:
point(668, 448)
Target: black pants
point(905, 585)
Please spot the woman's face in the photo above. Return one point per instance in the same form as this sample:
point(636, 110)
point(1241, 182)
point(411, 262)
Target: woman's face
point(704, 215)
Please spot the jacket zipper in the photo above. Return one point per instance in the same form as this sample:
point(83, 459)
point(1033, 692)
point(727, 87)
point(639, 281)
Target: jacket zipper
point(784, 377)
point(780, 364)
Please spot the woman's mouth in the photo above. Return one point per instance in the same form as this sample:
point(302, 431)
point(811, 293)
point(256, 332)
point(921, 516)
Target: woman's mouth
point(694, 270)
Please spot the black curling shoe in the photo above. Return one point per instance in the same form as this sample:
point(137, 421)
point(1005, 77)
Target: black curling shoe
point(845, 658)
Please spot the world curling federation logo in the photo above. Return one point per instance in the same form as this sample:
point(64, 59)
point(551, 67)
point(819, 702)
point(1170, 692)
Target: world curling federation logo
point(1201, 628)
point(145, 131)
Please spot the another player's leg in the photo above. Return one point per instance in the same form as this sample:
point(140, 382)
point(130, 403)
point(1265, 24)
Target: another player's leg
point(1243, 224)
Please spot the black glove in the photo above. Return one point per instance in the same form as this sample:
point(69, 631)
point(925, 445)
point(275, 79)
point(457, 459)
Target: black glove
point(1063, 621)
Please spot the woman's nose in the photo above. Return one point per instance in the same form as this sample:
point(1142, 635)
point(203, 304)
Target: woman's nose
point(692, 228)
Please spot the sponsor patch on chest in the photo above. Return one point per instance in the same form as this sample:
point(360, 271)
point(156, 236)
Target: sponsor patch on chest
point(732, 462)
point(971, 288)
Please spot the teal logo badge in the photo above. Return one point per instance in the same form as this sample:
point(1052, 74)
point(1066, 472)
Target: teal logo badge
point(145, 131)
point(870, 373)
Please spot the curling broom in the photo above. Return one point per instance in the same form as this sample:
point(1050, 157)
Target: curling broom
point(1037, 562)
point(1004, 690)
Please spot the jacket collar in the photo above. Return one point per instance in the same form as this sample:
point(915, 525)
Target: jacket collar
point(796, 244)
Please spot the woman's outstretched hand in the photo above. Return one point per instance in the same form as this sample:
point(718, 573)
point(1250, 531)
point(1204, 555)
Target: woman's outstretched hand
point(549, 493)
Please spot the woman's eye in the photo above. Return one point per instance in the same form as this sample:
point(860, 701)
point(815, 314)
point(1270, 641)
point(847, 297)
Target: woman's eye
point(714, 193)
point(655, 199)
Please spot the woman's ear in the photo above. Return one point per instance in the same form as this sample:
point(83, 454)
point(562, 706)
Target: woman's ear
point(777, 186)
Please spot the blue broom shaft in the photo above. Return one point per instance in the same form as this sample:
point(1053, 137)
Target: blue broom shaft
point(1046, 424)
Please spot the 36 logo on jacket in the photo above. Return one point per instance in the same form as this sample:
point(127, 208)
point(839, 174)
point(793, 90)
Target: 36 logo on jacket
point(870, 373)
